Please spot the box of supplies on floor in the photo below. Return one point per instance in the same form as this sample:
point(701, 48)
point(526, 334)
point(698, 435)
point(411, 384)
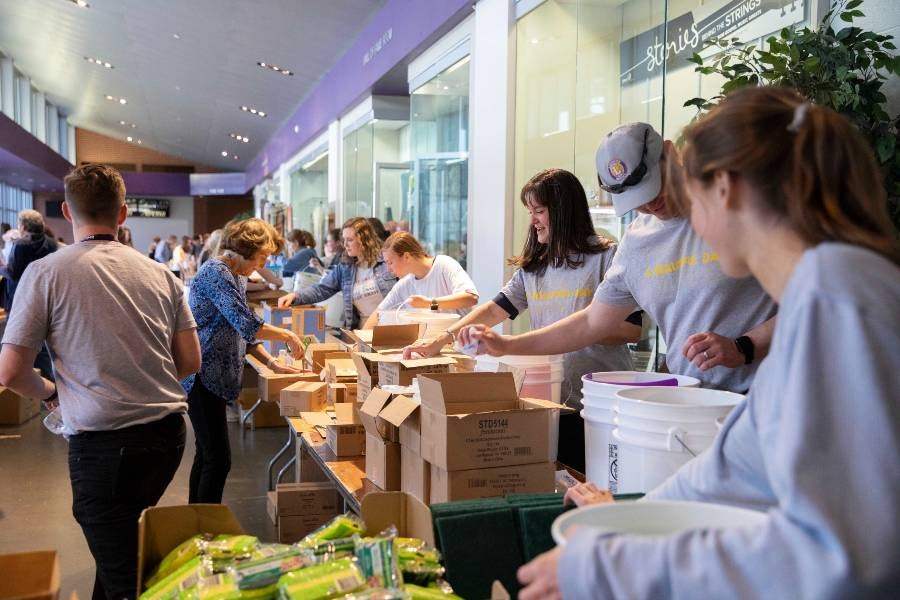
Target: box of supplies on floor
point(29, 576)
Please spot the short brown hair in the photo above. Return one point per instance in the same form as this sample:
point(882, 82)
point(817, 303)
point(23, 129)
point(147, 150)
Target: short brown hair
point(95, 193)
point(368, 239)
point(403, 242)
point(813, 169)
point(249, 237)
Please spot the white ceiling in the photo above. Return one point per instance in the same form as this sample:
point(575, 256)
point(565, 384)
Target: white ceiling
point(183, 93)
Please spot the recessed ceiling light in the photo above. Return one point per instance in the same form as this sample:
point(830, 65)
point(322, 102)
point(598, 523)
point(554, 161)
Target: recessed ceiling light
point(238, 137)
point(129, 138)
point(296, 129)
point(108, 97)
point(245, 139)
point(121, 122)
point(140, 142)
point(274, 69)
point(235, 157)
point(99, 62)
point(116, 99)
point(176, 36)
point(224, 153)
point(253, 111)
point(123, 101)
point(80, 3)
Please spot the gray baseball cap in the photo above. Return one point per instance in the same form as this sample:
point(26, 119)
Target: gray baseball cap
point(628, 165)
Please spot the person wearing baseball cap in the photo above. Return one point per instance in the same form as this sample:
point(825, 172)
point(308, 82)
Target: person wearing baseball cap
point(717, 329)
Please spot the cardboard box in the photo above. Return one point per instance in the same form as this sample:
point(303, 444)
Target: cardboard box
point(412, 518)
point(339, 393)
point(271, 384)
point(448, 486)
point(268, 415)
point(306, 498)
point(396, 371)
point(303, 396)
point(464, 362)
point(384, 338)
point(339, 370)
point(476, 420)
point(383, 462)
point(344, 433)
point(415, 475)
point(293, 528)
point(366, 373)
point(316, 353)
point(308, 321)
point(306, 469)
point(29, 576)
point(16, 409)
point(162, 528)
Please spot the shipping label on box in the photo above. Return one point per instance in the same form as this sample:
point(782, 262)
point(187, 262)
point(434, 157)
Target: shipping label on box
point(415, 474)
point(383, 463)
point(308, 321)
point(475, 420)
point(303, 396)
point(396, 371)
point(448, 486)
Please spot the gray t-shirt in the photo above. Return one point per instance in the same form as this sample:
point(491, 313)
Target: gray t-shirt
point(666, 269)
point(558, 293)
point(815, 446)
point(109, 316)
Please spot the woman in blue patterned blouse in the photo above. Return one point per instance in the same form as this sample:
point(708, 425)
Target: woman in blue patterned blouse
point(228, 329)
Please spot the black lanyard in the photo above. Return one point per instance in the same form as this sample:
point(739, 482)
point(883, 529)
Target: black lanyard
point(99, 237)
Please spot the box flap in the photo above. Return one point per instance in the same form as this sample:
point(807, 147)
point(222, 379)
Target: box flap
point(415, 363)
point(400, 409)
point(407, 513)
point(304, 386)
point(376, 400)
point(162, 528)
point(454, 393)
point(346, 414)
point(316, 419)
point(518, 373)
point(340, 367)
point(541, 403)
point(395, 335)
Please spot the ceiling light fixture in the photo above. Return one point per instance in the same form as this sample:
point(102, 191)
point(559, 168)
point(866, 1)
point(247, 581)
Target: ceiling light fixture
point(234, 156)
point(274, 69)
point(99, 62)
point(116, 99)
point(253, 111)
point(129, 138)
point(224, 153)
point(140, 142)
point(80, 3)
point(238, 137)
point(175, 36)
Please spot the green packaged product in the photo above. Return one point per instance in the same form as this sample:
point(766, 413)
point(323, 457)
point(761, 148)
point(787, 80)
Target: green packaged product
point(177, 558)
point(220, 586)
point(378, 594)
point(265, 571)
point(267, 550)
point(331, 549)
point(229, 547)
point(377, 558)
point(321, 582)
point(417, 592)
point(341, 526)
point(176, 583)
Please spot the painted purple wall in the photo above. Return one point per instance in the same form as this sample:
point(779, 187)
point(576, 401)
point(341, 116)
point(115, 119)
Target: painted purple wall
point(28, 163)
point(410, 24)
point(157, 184)
point(218, 184)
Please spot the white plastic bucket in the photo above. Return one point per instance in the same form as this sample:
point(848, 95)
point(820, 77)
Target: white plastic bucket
point(659, 429)
point(435, 322)
point(543, 374)
point(653, 518)
point(599, 399)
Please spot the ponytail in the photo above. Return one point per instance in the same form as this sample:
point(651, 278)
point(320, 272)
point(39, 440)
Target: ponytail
point(813, 169)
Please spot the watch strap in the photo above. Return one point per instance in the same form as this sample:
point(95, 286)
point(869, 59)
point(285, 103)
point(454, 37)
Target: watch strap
point(745, 346)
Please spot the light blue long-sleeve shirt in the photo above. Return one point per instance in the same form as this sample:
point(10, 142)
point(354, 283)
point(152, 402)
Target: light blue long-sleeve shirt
point(816, 445)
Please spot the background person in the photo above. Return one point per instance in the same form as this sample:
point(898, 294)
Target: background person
point(435, 282)
point(783, 190)
point(334, 252)
point(562, 263)
point(164, 249)
point(717, 328)
point(123, 235)
point(121, 336)
point(227, 327)
point(151, 251)
point(301, 248)
point(364, 280)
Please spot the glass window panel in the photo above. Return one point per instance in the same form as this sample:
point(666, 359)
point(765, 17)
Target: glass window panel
point(309, 198)
point(439, 147)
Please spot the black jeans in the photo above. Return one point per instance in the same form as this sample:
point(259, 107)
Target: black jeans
point(212, 460)
point(571, 441)
point(115, 475)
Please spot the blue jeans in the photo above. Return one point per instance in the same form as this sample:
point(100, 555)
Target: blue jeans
point(115, 475)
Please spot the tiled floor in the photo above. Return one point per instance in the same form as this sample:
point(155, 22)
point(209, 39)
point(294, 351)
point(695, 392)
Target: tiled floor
point(36, 500)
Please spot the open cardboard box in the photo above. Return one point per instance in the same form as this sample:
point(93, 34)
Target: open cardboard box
point(476, 420)
point(382, 415)
point(344, 432)
point(394, 370)
point(384, 338)
point(303, 396)
point(29, 576)
point(162, 528)
point(410, 516)
point(339, 370)
point(317, 352)
point(415, 474)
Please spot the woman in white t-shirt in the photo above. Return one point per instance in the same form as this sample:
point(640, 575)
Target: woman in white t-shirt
point(363, 280)
point(435, 282)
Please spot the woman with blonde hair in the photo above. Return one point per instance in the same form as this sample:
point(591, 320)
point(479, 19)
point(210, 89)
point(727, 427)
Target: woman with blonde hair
point(790, 193)
point(228, 329)
point(436, 282)
point(364, 280)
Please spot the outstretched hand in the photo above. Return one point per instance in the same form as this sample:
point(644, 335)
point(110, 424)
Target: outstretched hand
point(708, 349)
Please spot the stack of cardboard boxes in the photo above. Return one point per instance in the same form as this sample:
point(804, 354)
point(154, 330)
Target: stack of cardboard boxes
point(299, 508)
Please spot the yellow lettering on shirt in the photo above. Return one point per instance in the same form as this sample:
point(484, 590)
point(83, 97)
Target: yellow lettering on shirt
point(550, 295)
point(660, 269)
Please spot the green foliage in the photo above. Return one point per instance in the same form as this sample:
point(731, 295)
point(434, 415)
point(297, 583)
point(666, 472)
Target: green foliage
point(844, 70)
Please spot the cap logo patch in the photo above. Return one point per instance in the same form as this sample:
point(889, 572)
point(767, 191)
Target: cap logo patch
point(617, 169)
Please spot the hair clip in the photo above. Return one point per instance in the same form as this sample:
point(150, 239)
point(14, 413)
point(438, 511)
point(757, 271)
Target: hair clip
point(799, 117)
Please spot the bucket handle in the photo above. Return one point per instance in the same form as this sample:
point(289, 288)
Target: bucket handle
point(674, 436)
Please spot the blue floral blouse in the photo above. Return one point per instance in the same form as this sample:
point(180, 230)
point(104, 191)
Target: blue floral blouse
point(225, 325)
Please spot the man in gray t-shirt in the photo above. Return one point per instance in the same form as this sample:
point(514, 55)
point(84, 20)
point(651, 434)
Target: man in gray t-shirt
point(121, 336)
point(716, 328)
